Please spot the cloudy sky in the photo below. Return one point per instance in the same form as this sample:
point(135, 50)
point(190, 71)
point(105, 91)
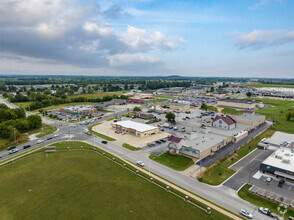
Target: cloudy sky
point(251, 38)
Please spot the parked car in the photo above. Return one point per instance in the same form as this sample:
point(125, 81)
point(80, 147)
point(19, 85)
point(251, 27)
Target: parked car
point(104, 142)
point(163, 140)
point(158, 142)
point(269, 179)
point(11, 147)
point(49, 138)
point(13, 151)
point(161, 129)
point(171, 127)
point(183, 118)
point(246, 213)
point(100, 117)
point(26, 146)
point(187, 117)
point(176, 128)
point(140, 163)
point(281, 183)
point(265, 211)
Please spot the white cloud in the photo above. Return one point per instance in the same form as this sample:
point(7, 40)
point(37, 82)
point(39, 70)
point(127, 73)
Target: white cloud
point(99, 29)
point(131, 59)
point(261, 3)
point(264, 38)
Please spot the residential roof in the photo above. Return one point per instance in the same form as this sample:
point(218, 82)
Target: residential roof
point(174, 139)
point(227, 119)
point(135, 125)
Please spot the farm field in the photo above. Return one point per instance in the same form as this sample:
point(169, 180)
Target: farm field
point(84, 185)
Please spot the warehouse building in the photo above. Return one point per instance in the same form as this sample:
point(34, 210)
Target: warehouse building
point(280, 164)
point(78, 110)
point(135, 128)
point(179, 107)
point(251, 119)
point(240, 103)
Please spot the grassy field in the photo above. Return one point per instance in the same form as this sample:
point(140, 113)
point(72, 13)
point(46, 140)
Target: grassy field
point(176, 162)
point(4, 141)
point(278, 108)
point(89, 187)
point(98, 95)
point(270, 85)
point(232, 111)
point(99, 134)
point(259, 201)
point(219, 172)
point(130, 147)
point(157, 100)
point(47, 129)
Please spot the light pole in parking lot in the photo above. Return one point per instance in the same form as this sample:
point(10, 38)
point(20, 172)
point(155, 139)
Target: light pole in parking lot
point(249, 175)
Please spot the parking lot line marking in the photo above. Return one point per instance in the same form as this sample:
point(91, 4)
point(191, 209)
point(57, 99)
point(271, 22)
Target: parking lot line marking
point(263, 192)
point(270, 194)
point(292, 203)
point(257, 189)
point(277, 183)
point(290, 187)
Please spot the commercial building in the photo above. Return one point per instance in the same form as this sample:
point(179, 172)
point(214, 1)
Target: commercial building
point(224, 122)
point(135, 128)
point(179, 107)
point(280, 164)
point(104, 105)
point(197, 144)
point(251, 119)
point(144, 116)
point(78, 110)
point(240, 103)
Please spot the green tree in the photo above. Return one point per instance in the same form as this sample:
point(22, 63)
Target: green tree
point(204, 106)
point(170, 116)
point(35, 121)
point(249, 94)
point(137, 109)
point(289, 115)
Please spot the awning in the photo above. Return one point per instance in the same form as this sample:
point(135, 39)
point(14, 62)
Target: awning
point(288, 176)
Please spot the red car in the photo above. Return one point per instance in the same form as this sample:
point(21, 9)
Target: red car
point(100, 117)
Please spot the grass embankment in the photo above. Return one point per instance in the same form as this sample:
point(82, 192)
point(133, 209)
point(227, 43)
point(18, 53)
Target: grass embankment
point(130, 147)
point(45, 130)
point(88, 186)
point(176, 162)
point(232, 111)
point(278, 109)
point(99, 134)
point(270, 85)
point(245, 194)
point(157, 100)
point(219, 172)
point(110, 119)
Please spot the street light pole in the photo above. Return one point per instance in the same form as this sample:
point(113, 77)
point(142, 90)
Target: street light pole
point(14, 135)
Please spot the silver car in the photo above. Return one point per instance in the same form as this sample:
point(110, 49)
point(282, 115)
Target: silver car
point(246, 213)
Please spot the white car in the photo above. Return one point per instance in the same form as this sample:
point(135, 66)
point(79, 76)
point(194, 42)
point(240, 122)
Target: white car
point(40, 141)
point(56, 135)
point(140, 163)
point(265, 211)
point(13, 151)
point(246, 213)
point(269, 179)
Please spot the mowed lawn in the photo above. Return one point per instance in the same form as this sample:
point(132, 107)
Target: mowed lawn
point(84, 185)
point(278, 109)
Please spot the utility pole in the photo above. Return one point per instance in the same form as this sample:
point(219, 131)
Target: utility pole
point(14, 135)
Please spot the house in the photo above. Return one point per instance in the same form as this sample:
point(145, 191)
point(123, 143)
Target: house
point(224, 122)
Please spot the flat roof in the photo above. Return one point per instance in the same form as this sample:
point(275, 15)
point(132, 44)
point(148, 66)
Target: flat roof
point(248, 117)
point(221, 131)
point(78, 108)
point(245, 101)
point(279, 137)
point(282, 158)
point(135, 125)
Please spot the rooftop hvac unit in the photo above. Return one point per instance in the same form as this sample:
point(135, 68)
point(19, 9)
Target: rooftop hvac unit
point(279, 157)
point(287, 154)
point(286, 161)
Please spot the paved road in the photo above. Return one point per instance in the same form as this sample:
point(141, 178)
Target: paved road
point(9, 105)
point(229, 149)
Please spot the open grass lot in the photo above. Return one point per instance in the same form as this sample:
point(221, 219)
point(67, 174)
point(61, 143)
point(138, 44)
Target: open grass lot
point(219, 172)
point(85, 185)
point(232, 111)
point(130, 147)
point(259, 201)
point(176, 162)
point(47, 129)
point(278, 108)
point(99, 134)
point(57, 107)
point(270, 85)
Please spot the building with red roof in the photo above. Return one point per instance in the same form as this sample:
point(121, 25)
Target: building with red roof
point(224, 122)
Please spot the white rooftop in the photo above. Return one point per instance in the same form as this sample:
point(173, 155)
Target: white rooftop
point(279, 137)
point(248, 117)
point(282, 158)
point(135, 125)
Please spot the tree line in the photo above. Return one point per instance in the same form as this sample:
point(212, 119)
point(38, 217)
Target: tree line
point(14, 121)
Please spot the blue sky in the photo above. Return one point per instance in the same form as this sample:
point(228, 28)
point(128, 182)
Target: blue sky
point(239, 38)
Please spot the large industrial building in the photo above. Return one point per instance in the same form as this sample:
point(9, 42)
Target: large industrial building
point(280, 163)
point(135, 128)
point(240, 103)
point(179, 107)
point(78, 110)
